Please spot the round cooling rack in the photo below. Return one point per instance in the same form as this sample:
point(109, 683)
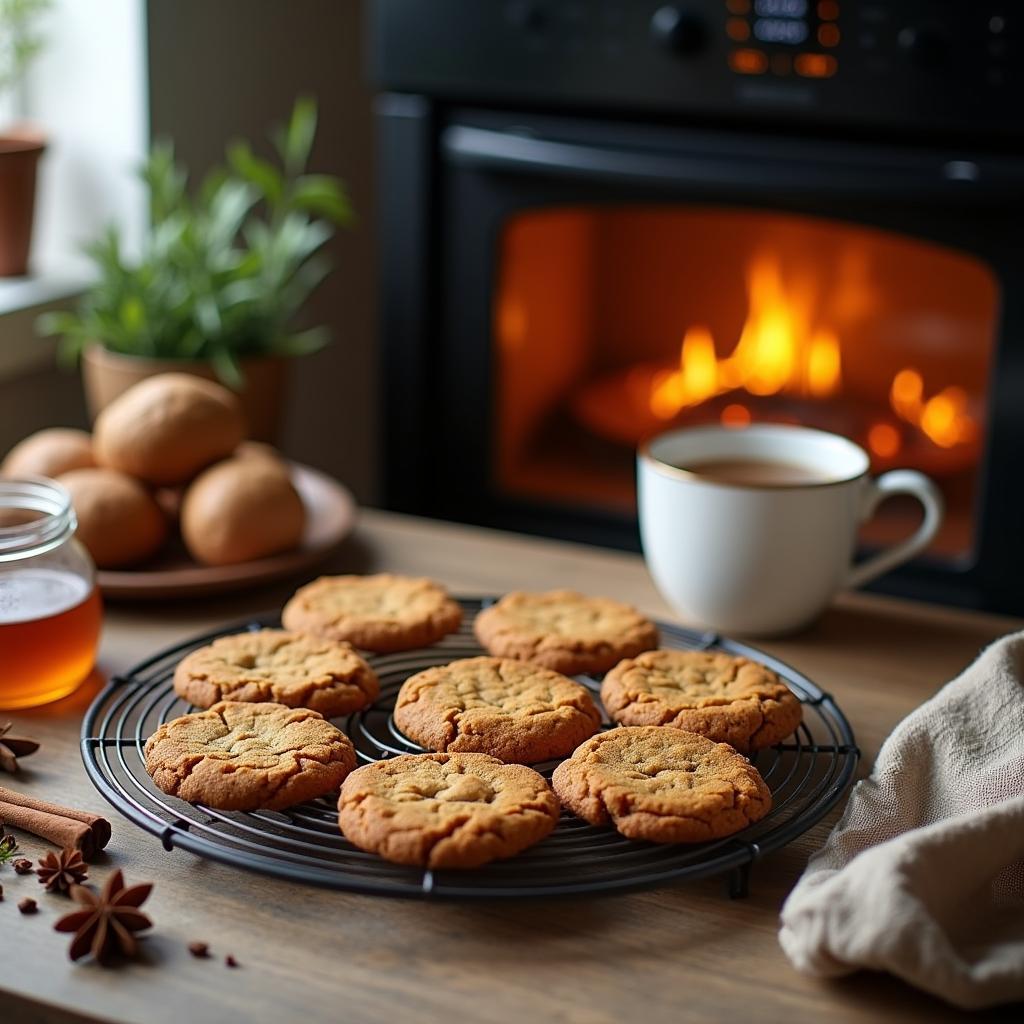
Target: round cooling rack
point(807, 775)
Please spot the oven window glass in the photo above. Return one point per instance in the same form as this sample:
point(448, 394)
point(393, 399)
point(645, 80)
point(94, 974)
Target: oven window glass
point(615, 323)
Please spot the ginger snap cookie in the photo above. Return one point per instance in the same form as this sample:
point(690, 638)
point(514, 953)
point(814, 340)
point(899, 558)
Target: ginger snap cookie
point(662, 785)
point(293, 669)
point(513, 710)
point(243, 757)
point(728, 699)
point(445, 810)
point(382, 613)
point(564, 631)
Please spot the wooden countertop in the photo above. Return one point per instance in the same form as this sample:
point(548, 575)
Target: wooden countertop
point(686, 952)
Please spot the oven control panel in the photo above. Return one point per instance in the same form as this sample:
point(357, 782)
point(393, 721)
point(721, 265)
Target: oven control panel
point(923, 65)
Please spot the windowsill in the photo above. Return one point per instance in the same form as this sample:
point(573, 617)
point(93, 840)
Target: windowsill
point(17, 293)
point(22, 299)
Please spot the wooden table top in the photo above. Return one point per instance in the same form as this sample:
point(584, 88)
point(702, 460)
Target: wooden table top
point(685, 952)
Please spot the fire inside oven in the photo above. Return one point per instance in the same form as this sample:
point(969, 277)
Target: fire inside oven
point(615, 323)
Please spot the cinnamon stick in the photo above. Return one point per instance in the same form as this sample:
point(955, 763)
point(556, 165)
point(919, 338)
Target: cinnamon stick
point(63, 826)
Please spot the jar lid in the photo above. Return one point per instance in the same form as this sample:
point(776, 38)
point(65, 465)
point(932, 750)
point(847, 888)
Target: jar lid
point(36, 516)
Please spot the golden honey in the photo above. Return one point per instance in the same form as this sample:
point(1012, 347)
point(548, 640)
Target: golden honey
point(49, 629)
point(50, 609)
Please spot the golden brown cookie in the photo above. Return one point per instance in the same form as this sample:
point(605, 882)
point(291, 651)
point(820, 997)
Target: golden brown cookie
point(241, 509)
point(298, 671)
point(445, 810)
point(728, 699)
point(564, 631)
point(244, 757)
point(380, 613)
point(662, 785)
point(513, 710)
point(119, 521)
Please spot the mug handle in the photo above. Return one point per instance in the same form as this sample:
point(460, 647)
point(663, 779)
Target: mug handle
point(898, 481)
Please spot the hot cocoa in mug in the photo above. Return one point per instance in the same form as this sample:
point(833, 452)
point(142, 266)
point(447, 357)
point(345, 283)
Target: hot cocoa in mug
point(753, 530)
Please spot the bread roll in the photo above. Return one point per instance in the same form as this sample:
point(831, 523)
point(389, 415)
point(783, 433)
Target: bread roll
point(118, 521)
point(49, 452)
point(241, 509)
point(259, 450)
point(165, 429)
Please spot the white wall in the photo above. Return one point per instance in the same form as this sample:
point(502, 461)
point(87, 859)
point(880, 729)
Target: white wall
point(223, 69)
point(88, 92)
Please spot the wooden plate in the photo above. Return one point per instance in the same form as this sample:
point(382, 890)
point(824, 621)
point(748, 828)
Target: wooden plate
point(330, 516)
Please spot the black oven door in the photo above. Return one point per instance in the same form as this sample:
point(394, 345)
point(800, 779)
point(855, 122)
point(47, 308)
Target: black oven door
point(479, 172)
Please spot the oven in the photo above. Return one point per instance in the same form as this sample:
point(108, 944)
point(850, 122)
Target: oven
point(602, 220)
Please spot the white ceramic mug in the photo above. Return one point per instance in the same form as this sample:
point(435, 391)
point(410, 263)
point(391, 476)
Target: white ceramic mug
point(765, 559)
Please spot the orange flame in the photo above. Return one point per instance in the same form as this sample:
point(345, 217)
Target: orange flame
point(824, 367)
point(735, 415)
point(694, 381)
point(944, 418)
point(781, 348)
point(778, 349)
point(884, 440)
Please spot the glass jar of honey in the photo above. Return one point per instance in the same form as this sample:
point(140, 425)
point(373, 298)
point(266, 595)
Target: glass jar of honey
point(50, 612)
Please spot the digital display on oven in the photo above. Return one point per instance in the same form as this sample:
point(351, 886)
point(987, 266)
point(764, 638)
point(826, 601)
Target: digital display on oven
point(780, 8)
point(780, 30)
point(780, 21)
point(783, 37)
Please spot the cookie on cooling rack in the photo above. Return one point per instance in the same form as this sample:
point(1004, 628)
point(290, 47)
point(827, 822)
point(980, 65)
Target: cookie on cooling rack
point(662, 785)
point(445, 810)
point(247, 757)
point(728, 699)
point(294, 669)
point(564, 631)
point(382, 613)
point(513, 710)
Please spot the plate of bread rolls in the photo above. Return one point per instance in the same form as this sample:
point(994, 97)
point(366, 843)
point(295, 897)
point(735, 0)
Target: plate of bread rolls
point(173, 500)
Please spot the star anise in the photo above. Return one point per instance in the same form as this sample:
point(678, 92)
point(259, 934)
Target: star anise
point(13, 747)
point(108, 921)
point(59, 871)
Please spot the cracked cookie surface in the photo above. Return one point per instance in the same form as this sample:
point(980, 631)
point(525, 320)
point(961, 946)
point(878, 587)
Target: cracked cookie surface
point(728, 699)
point(244, 757)
point(564, 630)
point(515, 711)
point(297, 670)
point(662, 785)
point(445, 810)
point(381, 613)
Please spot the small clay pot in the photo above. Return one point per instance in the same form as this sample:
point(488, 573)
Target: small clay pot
point(20, 150)
point(106, 375)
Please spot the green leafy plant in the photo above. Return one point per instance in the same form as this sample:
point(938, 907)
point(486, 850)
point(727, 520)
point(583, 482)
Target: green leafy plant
point(20, 43)
point(224, 273)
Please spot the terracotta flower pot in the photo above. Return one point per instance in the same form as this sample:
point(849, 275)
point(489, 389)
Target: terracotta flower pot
point(107, 374)
point(20, 150)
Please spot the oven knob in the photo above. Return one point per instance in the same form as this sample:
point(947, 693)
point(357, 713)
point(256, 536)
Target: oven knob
point(928, 46)
point(678, 31)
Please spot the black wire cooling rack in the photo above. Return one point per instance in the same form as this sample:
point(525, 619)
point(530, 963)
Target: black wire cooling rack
point(807, 775)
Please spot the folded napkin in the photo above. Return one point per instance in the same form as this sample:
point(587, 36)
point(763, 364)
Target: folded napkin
point(923, 876)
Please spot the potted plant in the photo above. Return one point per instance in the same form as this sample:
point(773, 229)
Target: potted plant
point(222, 279)
point(21, 145)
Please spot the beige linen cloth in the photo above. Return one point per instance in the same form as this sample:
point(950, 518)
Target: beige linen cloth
point(923, 876)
